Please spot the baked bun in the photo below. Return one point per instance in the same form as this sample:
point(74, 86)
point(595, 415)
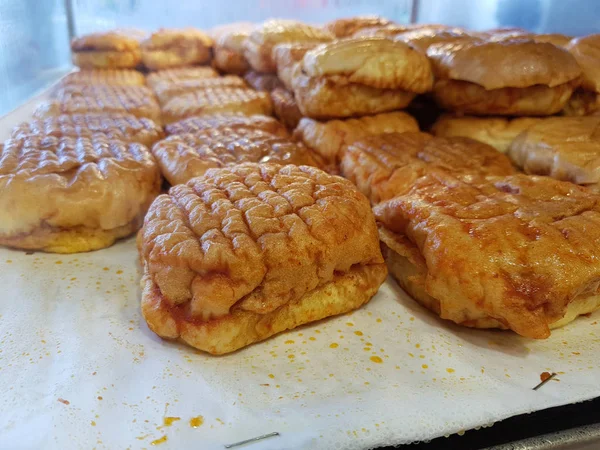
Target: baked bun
point(101, 98)
point(211, 101)
point(286, 56)
point(259, 45)
point(346, 27)
point(285, 107)
point(263, 82)
point(179, 74)
point(423, 38)
point(517, 252)
point(560, 40)
point(229, 48)
point(244, 253)
point(566, 148)
point(68, 195)
point(166, 91)
point(119, 77)
point(234, 121)
point(168, 48)
point(499, 132)
point(385, 165)
point(388, 31)
point(586, 51)
point(121, 126)
point(359, 76)
point(514, 77)
point(329, 139)
point(184, 156)
point(116, 49)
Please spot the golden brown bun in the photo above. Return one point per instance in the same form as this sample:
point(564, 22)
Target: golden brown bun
point(73, 194)
point(375, 62)
point(107, 59)
point(117, 49)
point(495, 65)
point(503, 34)
point(305, 248)
point(286, 56)
point(180, 74)
point(264, 82)
point(233, 120)
point(560, 40)
point(443, 237)
point(423, 38)
point(259, 45)
point(121, 126)
point(469, 98)
point(120, 77)
point(285, 107)
point(185, 156)
point(321, 98)
point(582, 103)
point(586, 51)
point(498, 132)
point(165, 91)
point(329, 139)
point(566, 148)
point(383, 166)
point(99, 98)
point(229, 49)
point(168, 48)
point(388, 31)
point(120, 40)
point(211, 101)
point(346, 27)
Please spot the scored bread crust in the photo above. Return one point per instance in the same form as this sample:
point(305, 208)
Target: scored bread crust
point(185, 156)
point(107, 59)
point(234, 121)
point(167, 90)
point(499, 132)
point(178, 74)
point(246, 252)
point(329, 138)
point(210, 101)
point(383, 166)
point(94, 191)
point(168, 48)
point(440, 242)
point(121, 77)
point(122, 126)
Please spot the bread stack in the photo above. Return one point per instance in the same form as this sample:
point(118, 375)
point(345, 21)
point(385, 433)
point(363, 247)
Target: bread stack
point(257, 234)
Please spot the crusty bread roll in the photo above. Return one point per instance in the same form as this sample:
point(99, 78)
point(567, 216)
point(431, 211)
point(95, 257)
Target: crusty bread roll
point(244, 253)
point(513, 77)
point(117, 49)
point(511, 252)
point(167, 48)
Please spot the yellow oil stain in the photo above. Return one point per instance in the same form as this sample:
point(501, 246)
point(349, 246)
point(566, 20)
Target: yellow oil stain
point(9, 261)
point(141, 438)
point(119, 272)
point(197, 421)
point(368, 344)
point(358, 333)
point(292, 356)
point(289, 342)
point(350, 324)
point(159, 441)
point(411, 355)
point(168, 421)
point(450, 370)
point(376, 359)
point(367, 349)
point(105, 268)
point(378, 321)
point(93, 423)
point(271, 376)
point(58, 262)
point(412, 319)
point(417, 345)
point(220, 421)
point(333, 345)
point(312, 338)
point(318, 331)
point(367, 383)
point(425, 366)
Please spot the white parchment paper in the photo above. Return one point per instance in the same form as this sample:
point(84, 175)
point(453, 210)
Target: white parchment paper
point(80, 369)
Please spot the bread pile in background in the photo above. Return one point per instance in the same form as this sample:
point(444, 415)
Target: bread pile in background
point(471, 156)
